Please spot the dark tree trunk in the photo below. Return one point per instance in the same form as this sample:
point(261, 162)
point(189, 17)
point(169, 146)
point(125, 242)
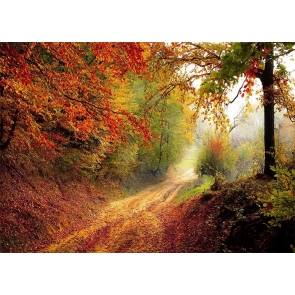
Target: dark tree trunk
point(269, 139)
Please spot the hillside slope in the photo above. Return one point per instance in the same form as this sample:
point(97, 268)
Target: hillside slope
point(227, 220)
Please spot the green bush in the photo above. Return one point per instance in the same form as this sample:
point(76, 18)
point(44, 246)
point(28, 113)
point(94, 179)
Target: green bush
point(280, 201)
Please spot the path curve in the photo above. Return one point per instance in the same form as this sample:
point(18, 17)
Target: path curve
point(133, 224)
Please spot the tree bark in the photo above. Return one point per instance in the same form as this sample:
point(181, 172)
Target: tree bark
point(269, 139)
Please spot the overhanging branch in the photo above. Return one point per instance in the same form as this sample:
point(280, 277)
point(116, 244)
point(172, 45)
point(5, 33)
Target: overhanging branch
point(238, 92)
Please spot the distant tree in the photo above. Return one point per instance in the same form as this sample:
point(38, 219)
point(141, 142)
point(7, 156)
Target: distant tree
point(171, 123)
point(216, 154)
point(168, 118)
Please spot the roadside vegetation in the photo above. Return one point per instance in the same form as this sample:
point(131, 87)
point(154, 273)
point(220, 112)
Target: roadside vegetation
point(195, 188)
point(85, 124)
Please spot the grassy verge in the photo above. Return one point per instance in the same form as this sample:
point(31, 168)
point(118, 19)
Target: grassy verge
point(195, 188)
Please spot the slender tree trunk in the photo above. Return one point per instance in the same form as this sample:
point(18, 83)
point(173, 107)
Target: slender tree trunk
point(269, 139)
point(161, 151)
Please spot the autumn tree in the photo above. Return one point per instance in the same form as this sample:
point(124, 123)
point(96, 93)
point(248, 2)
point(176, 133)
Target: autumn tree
point(221, 66)
point(168, 112)
point(172, 125)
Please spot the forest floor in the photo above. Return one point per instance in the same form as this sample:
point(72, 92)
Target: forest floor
point(45, 214)
point(134, 224)
point(227, 219)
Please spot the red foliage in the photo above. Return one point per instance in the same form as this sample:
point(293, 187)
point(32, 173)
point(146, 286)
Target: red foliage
point(68, 86)
point(216, 147)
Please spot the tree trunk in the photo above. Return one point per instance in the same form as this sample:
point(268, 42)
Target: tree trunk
point(269, 139)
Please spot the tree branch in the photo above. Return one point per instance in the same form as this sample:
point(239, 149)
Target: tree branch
point(283, 54)
point(238, 92)
point(84, 102)
point(237, 119)
point(204, 49)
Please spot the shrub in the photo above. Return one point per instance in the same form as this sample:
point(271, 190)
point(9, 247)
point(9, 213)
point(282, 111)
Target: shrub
point(216, 154)
point(279, 203)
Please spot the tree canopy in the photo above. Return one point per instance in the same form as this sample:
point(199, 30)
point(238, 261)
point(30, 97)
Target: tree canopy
point(49, 89)
point(58, 99)
point(57, 95)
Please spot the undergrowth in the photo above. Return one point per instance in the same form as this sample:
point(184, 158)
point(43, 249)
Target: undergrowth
point(229, 219)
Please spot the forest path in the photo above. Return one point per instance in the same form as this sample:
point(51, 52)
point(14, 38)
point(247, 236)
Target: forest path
point(134, 224)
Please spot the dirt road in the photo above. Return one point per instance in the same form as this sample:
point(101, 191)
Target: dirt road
point(133, 224)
